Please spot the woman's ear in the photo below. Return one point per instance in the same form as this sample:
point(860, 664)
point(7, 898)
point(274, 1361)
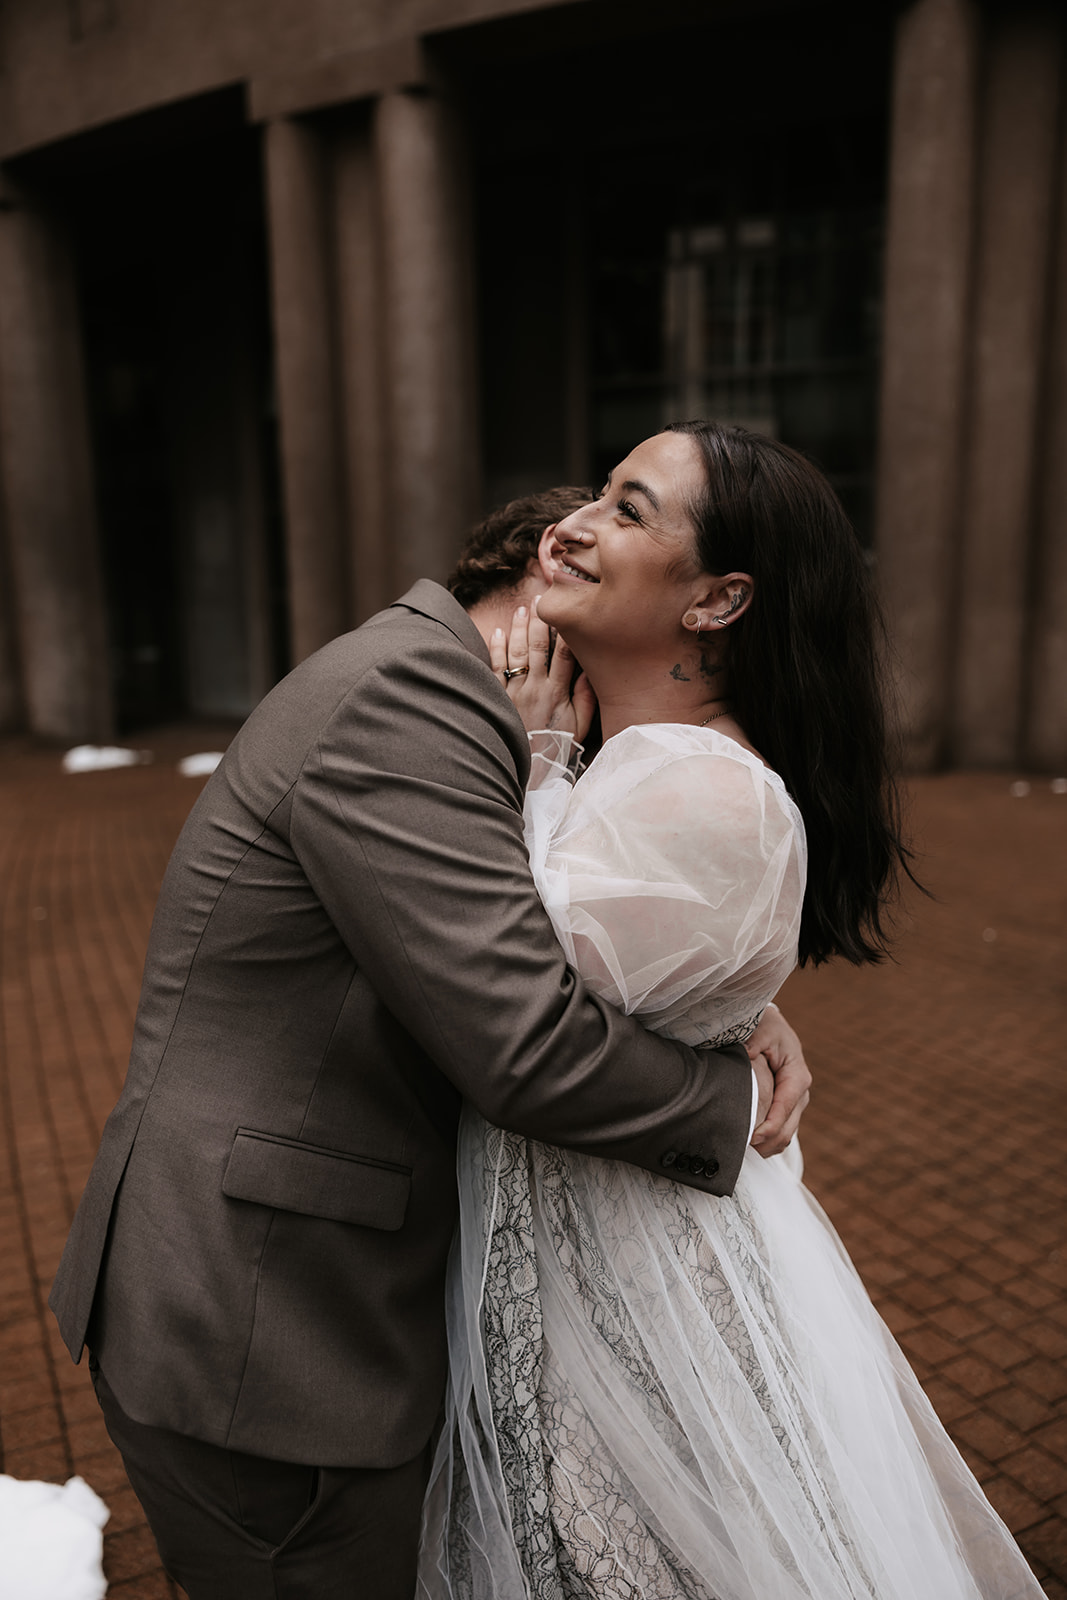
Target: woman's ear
point(722, 602)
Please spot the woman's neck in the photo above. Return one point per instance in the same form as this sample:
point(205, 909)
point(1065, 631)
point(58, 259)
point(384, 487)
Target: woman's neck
point(693, 688)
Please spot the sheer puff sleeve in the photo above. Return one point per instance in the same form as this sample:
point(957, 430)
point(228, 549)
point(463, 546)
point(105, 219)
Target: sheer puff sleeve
point(673, 872)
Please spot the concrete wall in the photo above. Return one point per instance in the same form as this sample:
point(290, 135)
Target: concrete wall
point(68, 65)
point(374, 350)
point(367, 179)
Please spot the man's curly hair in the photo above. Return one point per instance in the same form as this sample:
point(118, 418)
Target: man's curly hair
point(499, 550)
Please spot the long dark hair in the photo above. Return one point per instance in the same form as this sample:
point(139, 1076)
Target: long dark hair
point(805, 666)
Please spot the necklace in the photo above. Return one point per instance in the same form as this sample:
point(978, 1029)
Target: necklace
point(714, 716)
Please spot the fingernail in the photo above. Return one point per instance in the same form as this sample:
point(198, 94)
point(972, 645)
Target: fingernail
point(521, 612)
point(498, 633)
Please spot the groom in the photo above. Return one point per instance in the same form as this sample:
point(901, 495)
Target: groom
point(347, 942)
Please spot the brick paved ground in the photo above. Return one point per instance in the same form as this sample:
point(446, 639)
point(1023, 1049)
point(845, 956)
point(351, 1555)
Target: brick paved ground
point(935, 1136)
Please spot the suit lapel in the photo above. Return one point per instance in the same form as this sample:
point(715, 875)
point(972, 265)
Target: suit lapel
point(431, 600)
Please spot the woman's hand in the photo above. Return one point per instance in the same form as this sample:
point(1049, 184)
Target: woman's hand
point(538, 672)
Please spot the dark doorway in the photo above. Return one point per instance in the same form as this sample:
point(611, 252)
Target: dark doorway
point(166, 217)
point(681, 213)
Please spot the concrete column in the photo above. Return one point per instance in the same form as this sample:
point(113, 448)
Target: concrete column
point(429, 332)
point(48, 485)
point(359, 306)
point(1046, 734)
point(302, 297)
point(1016, 191)
point(924, 352)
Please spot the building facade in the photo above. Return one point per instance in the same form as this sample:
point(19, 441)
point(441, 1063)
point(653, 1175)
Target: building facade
point(291, 290)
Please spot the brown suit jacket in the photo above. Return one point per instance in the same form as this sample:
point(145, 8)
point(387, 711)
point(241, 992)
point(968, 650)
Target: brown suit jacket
point(347, 941)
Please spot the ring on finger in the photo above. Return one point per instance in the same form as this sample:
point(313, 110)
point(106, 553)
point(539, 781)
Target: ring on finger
point(514, 672)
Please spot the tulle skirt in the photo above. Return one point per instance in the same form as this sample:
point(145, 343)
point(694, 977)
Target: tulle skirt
point(663, 1394)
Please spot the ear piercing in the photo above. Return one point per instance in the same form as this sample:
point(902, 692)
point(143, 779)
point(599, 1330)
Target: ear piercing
point(737, 600)
point(691, 617)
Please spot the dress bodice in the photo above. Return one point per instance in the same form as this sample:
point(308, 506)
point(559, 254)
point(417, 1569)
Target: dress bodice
point(673, 870)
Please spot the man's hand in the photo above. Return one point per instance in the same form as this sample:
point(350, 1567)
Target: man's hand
point(775, 1050)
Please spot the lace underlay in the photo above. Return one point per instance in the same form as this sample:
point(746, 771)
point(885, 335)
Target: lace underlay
point(579, 1526)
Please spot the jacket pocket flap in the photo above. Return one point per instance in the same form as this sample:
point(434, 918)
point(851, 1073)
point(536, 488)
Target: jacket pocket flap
point(315, 1182)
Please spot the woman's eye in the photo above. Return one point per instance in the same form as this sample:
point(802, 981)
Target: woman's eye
point(629, 511)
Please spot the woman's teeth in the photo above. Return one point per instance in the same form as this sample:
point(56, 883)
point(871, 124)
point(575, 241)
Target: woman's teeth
point(576, 574)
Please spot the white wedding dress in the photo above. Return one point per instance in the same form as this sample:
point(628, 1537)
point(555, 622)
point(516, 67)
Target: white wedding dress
point(655, 1392)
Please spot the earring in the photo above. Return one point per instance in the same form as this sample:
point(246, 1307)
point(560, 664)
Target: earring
point(737, 600)
point(691, 617)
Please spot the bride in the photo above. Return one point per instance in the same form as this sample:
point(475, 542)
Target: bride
point(655, 1392)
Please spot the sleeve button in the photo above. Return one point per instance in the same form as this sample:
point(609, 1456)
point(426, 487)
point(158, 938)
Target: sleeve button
point(668, 1158)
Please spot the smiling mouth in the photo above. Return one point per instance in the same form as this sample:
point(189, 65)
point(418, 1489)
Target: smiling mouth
point(576, 574)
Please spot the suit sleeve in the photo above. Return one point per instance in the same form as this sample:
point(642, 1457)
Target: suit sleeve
point(407, 820)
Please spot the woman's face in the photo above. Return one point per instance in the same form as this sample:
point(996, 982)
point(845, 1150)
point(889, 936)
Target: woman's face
point(625, 567)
